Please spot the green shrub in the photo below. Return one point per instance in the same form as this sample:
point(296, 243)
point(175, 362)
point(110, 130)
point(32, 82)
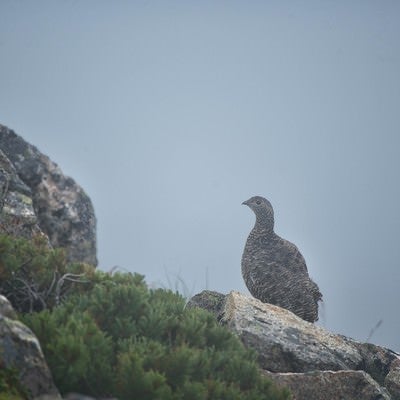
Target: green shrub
point(110, 336)
point(34, 277)
point(78, 353)
point(124, 340)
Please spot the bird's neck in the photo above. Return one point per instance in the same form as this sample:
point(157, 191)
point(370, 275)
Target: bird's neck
point(264, 223)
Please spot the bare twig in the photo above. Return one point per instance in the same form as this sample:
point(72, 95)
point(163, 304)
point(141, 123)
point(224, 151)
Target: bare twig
point(30, 293)
point(67, 277)
point(373, 330)
point(50, 289)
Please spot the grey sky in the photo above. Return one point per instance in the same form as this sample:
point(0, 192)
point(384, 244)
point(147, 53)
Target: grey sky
point(170, 114)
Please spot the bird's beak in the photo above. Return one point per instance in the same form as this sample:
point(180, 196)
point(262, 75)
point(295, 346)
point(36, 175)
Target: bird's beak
point(245, 203)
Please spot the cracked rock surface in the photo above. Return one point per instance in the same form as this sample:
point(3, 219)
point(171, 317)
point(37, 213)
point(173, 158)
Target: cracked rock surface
point(37, 198)
point(305, 357)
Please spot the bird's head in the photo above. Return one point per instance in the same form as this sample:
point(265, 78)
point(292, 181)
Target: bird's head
point(263, 210)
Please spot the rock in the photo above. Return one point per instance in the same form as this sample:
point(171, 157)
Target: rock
point(331, 385)
point(6, 309)
point(210, 301)
point(36, 192)
point(17, 216)
point(286, 343)
point(377, 360)
point(20, 349)
point(392, 382)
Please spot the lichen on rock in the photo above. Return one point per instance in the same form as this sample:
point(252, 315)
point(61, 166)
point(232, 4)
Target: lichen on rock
point(37, 198)
point(20, 350)
point(306, 357)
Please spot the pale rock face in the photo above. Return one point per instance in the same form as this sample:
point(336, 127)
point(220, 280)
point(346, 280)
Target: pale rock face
point(290, 343)
point(392, 382)
point(17, 216)
point(331, 385)
point(304, 356)
point(6, 309)
point(20, 349)
point(37, 198)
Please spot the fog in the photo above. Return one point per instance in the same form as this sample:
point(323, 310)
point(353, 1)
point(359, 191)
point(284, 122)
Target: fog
point(170, 114)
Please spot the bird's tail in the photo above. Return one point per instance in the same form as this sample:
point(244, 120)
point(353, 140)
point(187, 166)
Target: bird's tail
point(316, 292)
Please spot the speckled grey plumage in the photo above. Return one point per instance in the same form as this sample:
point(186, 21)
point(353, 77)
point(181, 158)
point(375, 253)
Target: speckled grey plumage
point(274, 270)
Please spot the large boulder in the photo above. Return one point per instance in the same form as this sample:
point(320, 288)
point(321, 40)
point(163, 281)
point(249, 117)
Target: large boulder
point(331, 385)
point(289, 349)
point(6, 309)
point(20, 350)
point(17, 216)
point(36, 197)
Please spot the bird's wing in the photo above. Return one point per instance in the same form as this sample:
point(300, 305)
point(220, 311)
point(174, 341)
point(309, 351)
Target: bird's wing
point(272, 273)
point(298, 264)
point(275, 284)
point(292, 256)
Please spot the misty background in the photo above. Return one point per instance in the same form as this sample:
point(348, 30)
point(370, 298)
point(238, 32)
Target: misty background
point(170, 114)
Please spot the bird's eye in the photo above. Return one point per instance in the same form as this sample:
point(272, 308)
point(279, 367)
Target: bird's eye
point(258, 202)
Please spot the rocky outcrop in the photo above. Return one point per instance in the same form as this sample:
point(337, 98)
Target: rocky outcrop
point(17, 216)
point(6, 309)
point(303, 356)
point(36, 198)
point(20, 350)
point(331, 385)
point(392, 382)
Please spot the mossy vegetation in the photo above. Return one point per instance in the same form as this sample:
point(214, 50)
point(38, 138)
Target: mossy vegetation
point(115, 337)
point(10, 386)
point(33, 277)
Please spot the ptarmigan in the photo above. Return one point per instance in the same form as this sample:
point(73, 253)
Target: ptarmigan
point(274, 269)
